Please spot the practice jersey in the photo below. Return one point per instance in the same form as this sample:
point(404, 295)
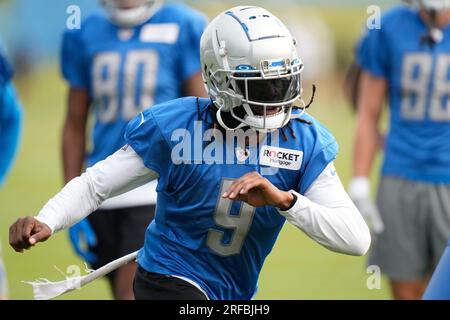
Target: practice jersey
point(219, 244)
point(418, 77)
point(128, 70)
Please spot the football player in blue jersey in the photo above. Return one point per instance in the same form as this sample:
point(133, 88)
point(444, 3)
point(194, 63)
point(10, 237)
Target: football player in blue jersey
point(140, 53)
point(408, 61)
point(221, 203)
point(10, 128)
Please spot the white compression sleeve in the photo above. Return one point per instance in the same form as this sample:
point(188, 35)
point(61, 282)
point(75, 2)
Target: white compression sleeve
point(327, 215)
point(119, 173)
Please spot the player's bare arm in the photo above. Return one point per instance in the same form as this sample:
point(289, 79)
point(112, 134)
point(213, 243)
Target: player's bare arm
point(368, 136)
point(74, 133)
point(368, 140)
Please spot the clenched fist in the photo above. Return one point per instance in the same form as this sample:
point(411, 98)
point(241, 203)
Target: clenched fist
point(26, 232)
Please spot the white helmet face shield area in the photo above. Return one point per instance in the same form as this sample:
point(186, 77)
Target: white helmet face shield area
point(268, 91)
point(262, 101)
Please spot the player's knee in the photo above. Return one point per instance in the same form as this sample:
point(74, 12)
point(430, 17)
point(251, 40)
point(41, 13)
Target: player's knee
point(408, 290)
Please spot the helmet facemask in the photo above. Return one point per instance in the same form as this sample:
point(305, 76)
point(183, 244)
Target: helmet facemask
point(261, 99)
point(130, 13)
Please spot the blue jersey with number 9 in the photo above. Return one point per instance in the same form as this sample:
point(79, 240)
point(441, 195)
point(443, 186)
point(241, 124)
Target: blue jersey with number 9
point(218, 243)
point(128, 70)
point(417, 145)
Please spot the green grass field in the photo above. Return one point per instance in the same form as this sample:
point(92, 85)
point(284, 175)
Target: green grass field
point(298, 268)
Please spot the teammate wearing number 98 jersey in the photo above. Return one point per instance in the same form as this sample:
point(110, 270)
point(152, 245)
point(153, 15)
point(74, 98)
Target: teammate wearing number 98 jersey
point(135, 54)
point(408, 60)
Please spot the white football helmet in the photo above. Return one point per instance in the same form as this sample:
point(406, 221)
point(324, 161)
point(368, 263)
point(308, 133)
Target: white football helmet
point(130, 13)
point(436, 5)
point(251, 68)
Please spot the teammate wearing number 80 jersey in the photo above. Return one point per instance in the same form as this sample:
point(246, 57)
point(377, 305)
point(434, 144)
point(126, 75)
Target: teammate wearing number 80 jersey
point(408, 59)
point(135, 54)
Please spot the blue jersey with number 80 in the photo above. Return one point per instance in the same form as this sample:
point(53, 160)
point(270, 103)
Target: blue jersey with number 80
point(128, 70)
point(417, 146)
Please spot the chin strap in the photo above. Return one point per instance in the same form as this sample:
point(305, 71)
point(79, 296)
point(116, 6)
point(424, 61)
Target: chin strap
point(220, 120)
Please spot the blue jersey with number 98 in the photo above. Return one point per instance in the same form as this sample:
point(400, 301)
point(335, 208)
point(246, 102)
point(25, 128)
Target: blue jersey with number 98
point(128, 70)
point(417, 146)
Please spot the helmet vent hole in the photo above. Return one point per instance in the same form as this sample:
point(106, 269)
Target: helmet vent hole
point(252, 18)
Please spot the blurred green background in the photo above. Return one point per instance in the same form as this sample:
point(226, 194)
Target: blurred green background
point(298, 268)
